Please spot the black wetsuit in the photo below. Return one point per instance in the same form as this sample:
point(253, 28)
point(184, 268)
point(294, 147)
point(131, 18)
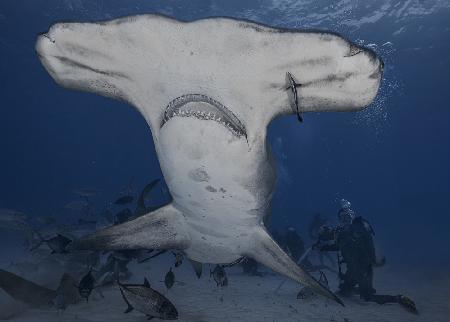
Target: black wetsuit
point(355, 243)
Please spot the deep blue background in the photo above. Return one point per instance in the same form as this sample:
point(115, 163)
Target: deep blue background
point(391, 161)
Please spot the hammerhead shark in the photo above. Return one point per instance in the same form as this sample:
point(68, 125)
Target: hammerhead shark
point(208, 90)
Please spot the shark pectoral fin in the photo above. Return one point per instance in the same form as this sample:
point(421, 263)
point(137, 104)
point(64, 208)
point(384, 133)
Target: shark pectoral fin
point(198, 267)
point(26, 291)
point(161, 229)
point(265, 250)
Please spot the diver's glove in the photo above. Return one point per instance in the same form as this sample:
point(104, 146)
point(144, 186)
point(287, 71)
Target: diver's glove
point(407, 303)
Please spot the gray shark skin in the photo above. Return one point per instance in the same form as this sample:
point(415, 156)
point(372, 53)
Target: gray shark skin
point(26, 291)
point(208, 90)
point(35, 295)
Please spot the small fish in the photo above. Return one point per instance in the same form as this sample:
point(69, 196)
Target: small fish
point(68, 290)
point(86, 285)
point(157, 253)
point(57, 244)
point(86, 192)
point(148, 301)
point(123, 255)
point(60, 301)
point(77, 205)
point(198, 268)
point(122, 216)
point(141, 208)
point(219, 275)
point(124, 200)
point(108, 278)
point(47, 220)
point(178, 259)
point(13, 219)
point(169, 279)
point(323, 280)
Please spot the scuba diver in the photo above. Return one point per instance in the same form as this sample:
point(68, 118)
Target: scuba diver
point(315, 229)
point(353, 240)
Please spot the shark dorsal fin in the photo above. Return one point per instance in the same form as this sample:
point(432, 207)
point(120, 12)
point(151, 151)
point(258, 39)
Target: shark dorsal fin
point(146, 282)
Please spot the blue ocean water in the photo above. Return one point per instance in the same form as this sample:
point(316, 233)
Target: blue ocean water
point(390, 160)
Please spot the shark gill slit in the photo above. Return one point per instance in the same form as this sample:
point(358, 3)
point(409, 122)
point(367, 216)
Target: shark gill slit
point(205, 108)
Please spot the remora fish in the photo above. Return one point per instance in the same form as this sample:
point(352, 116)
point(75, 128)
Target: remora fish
point(208, 90)
point(219, 275)
point(148, 301)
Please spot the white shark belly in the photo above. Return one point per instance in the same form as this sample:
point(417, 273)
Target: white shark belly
point(211, 175)
point(258, 72)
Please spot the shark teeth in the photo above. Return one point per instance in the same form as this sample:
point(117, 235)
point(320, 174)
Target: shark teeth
point(210, 110)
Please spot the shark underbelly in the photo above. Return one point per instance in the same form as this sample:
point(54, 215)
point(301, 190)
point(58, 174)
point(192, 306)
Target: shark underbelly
point(211, 171)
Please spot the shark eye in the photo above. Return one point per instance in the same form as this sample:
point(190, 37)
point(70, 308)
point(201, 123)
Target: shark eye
point(354, 50)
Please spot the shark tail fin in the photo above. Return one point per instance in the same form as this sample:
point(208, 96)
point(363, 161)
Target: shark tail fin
point(265, 250)
point(163, 228)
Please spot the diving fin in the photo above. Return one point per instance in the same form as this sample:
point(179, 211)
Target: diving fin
point(161, 229)
point(265, 250)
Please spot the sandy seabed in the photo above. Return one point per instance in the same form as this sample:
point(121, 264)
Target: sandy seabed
point(250, 298)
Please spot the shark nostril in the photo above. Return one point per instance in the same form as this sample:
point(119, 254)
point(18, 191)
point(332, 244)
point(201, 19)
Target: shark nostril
point(48, 37)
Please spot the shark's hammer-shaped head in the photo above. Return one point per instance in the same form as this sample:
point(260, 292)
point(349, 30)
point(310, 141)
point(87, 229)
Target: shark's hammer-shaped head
point(215, 72)
point(251, 69)
point(86, 57)
point(332, 74)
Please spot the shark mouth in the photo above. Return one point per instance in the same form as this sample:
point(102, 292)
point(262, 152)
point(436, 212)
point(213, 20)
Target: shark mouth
point(204, 108)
